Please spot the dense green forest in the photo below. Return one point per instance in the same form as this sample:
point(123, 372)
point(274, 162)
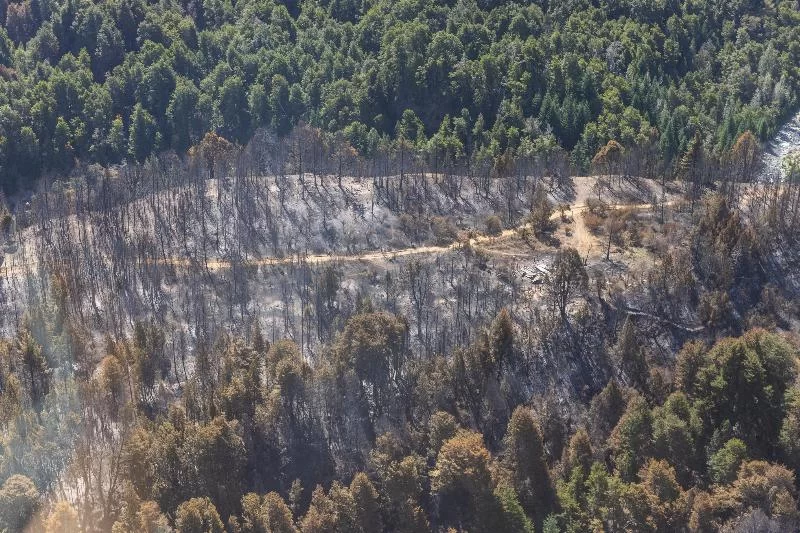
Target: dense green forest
point(122, 79)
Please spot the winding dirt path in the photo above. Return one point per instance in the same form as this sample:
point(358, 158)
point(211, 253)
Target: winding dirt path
point(388, 255)
point(580, 238)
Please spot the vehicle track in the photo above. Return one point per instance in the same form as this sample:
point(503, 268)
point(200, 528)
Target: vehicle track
point(579, 234)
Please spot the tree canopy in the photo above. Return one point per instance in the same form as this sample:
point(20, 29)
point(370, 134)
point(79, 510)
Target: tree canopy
point(109, 81)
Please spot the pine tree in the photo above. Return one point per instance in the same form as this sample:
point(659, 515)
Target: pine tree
point(525, 460)
point(462, 481)
point(632, 439)
point(689, 167)
point(368, 515)
point(198, 515)
point(277, 516)
point(630, 355)
point(606, 409)
point(501, 339)
point(568, 277)
point(578, 455)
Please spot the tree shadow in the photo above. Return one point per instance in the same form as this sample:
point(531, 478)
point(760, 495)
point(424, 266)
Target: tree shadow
point(563, 191)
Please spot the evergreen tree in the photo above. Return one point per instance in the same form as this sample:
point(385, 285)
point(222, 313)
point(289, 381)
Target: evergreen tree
point(524, 458)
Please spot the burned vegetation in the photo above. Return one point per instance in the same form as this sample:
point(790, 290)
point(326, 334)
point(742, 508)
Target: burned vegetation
point(284, 336)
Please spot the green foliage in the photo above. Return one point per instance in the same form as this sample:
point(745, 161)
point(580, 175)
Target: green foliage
point(501, 339)
point(494, 226)
point(723, 249)
point(335, 511)
point(441, 427)
point(632, 438)
point(606, 409)
point(541, 212)
point(550, 525)
point(257, 423)
point(367, 506)
point(687, 364)
point(744, 381)
point(402, 480)
point(452, 80)
point(676, 428)
point(630, 355)
point(188, 460)
point(525, 461)
point(144, 137)
point(513, 516)
point(724, 464)
point(789, 438)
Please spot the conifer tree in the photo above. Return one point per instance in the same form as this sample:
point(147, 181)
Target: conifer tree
point(524, 458)
point(367, 506)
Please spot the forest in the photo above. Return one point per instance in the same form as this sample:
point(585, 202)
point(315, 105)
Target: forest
point(368, 266)
point(229, 342)
point(119, 80)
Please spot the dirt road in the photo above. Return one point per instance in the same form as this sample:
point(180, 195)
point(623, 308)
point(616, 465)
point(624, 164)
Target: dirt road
point(580, 238)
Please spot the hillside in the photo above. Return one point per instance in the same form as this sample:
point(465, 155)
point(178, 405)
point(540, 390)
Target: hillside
point(138, 249)
point(377, 266)
point(312, 327)
point(123, 79)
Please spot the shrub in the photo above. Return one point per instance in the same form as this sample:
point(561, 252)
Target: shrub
point(593, 222)
point(444, 232)
point(494, 226)
point(540, 214)
point(597, 207)
point(410, 226)
point(714, 309)
point(724, 464)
